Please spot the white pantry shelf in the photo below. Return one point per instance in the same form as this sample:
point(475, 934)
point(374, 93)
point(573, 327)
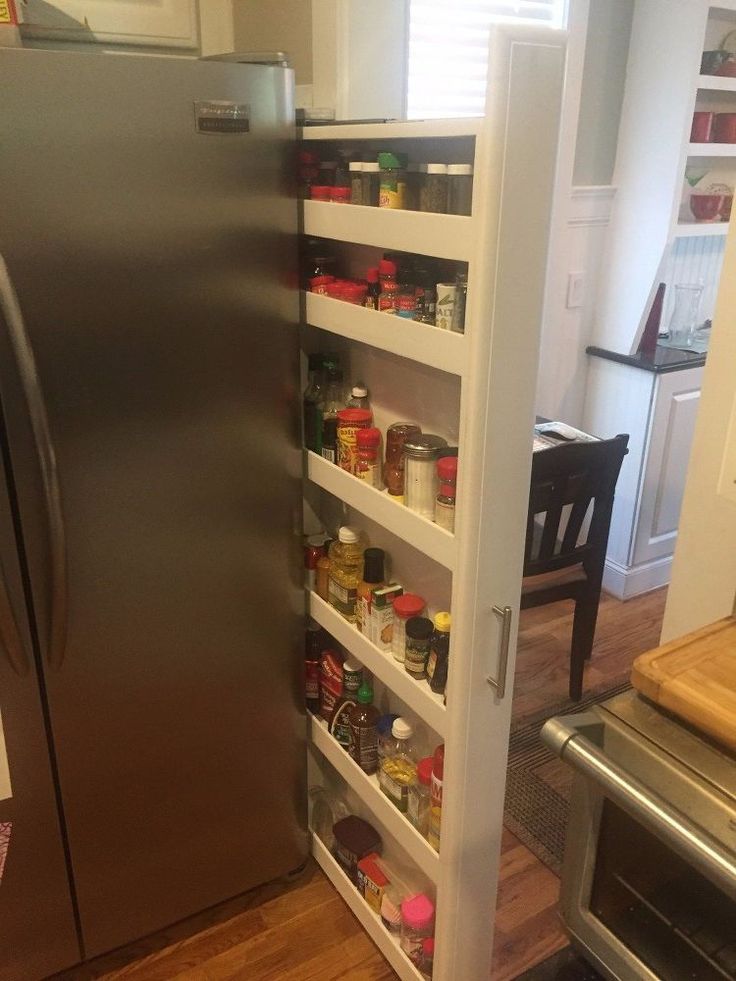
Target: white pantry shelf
point(416, 694)
point(717, 83)
point(396, 130)
point(424, 343)
point(706, 150)
point(701, 229)
point(369, 791)
point(422, 534)
point(442, 236)
point(386, 942)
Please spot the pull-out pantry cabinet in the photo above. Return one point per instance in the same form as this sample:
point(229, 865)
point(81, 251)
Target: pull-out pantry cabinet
point(477, 390)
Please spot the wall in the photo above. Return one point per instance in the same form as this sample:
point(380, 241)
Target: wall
point(704, 572)
point(604, 76)
point(276, 25)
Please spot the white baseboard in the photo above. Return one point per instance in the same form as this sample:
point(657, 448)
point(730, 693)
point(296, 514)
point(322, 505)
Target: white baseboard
point(623, 582)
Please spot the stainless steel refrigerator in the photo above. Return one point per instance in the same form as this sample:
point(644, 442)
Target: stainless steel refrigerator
point(150, 600)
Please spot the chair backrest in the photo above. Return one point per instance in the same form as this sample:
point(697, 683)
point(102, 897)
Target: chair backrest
point(565, 480)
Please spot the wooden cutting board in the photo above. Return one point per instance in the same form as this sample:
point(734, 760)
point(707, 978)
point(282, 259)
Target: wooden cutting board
point(694, 677)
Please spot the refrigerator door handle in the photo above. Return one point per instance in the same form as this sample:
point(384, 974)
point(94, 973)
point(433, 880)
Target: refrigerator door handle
point(47, 462)
point(10, 639)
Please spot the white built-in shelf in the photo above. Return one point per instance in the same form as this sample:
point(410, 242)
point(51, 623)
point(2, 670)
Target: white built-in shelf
point(701, 229)
point(387, 943)
point(442, 236)
point(421, 533)
point(419, 697)
point(717, 83)
point(429, 345)
point(706, 150)
point(400, 129)
point(369, 791)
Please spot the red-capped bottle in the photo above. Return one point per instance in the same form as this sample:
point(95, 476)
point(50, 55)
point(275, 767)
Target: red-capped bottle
point(374, 289)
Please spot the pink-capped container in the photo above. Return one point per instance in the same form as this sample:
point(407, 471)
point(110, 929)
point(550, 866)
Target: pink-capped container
point(417, 925)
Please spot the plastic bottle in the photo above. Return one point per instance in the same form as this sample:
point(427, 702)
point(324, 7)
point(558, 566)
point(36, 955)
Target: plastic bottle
point(420, 796)
point(339, 725)
point(444, 505)
point(385, 739)
point(439, 653)
point(332, 401)
point(311, 404)
point(346, 571)
point(435, 801)
point(363, 730)
point(417, 925)
point(359, 398)
point(374, 289)
point(389, 286)
point(373, 572)
point(399, 766)
point(322, 578)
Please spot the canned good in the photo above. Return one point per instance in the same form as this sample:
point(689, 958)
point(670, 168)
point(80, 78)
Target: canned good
point(349, 421)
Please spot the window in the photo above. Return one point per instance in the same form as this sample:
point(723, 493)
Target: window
point(448, 50)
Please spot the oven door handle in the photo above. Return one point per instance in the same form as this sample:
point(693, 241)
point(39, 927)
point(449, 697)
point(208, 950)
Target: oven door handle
point(666, 822)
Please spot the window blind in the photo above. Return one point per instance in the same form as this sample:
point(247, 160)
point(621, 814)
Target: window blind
point(448, 50)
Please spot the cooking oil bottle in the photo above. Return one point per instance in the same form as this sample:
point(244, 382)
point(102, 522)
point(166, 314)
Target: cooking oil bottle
point(346, 570)
point(399, 767)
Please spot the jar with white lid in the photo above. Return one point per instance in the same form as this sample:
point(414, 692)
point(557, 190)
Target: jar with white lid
point(355, 168)
point(371, 182)
point(420, 473)
point(459, 189)
point(433, 191)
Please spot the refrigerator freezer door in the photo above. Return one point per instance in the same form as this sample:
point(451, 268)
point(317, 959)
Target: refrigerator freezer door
point(37, 931)
point(150, 237)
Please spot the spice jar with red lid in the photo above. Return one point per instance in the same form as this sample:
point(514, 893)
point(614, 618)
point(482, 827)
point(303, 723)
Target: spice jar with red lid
point(368, 463)
point(340, 195)
point(393, 471)
point(320, 192)
point(405, 607)
point(349, 422)
point(444, 507)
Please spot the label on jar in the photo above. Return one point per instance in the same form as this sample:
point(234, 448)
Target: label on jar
point(386, 303)
point(416, 653)
point(444, 515)
point(431, 663)
point(393, 789)
point(340, 723)
point(392, 193)
point(344, 600)
point(369, 472)
point(364, 747)
point(347, 445)
point(311, 683)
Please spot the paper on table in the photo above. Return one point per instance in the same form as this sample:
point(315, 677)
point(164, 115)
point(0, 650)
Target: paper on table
point(5, 788)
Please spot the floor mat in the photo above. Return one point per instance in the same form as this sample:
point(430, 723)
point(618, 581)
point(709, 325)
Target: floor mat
point(538, 783)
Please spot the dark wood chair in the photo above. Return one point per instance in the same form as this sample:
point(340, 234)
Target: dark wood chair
point(570, 504)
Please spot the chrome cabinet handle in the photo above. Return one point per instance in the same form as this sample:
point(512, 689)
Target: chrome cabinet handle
point(646, 807)
point(9, 633)
point(504, 613)
point(28, 372)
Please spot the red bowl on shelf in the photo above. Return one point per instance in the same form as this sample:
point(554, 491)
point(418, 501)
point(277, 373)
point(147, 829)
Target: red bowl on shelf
point(725, 212)
point(724, 127)
point(706, 207)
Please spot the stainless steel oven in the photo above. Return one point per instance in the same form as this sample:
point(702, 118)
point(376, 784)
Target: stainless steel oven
point(649, 877)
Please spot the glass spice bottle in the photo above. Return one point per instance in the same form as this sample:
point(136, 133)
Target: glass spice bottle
point(433, 194)
point(355, 168)
point(420, 473)
point(368, 465)
point(371, 182)
point(374, 289)
point(439, 653)
point(416, 651)
point(392, 188)
point(389, 286)
point(406, 607)
point(444, 506)
point(393, 471)
point(459, 189)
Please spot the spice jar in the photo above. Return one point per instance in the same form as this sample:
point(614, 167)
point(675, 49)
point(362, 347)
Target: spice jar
point(420, 796)
point(413, 185)
point(393, 471)
point(439, 653)
point(355, 168)
point(433, 192)
point(371, 183)
point(392, 188)
point(418, 632)
point(459, 189)
point(420, 473)
point(405, 607)
point(444, 506)
point(349, 421)
point(320, 192)
point(417, 925)
point(340, 195)
point(322, 578)
point(368, 464)
point(444, 311)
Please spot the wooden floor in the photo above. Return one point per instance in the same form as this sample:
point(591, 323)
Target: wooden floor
point(304, 932)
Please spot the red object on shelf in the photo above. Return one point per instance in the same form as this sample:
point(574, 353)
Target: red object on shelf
point(702, 128)
point(706, 207)
point(340, 195)
point(724, 128)
point(320, 192)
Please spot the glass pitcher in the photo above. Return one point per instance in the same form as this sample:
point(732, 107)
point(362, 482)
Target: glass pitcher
point(684, 321)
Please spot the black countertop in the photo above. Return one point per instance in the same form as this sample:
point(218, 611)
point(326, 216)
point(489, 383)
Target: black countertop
point(663, 360)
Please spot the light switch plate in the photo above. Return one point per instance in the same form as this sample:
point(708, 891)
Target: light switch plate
point(575, 290)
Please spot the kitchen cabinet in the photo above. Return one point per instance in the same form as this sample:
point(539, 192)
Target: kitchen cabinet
point(658, 408)
point(477, 390)
point(166, 23)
